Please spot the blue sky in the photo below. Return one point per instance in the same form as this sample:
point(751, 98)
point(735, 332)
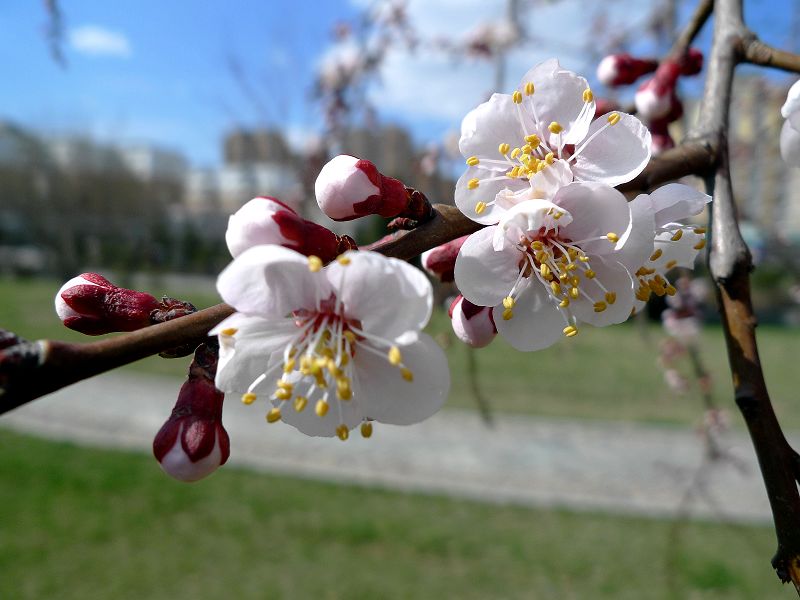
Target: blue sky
point(155, 71)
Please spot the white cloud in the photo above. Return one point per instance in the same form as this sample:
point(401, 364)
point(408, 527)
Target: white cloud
point(93, 40)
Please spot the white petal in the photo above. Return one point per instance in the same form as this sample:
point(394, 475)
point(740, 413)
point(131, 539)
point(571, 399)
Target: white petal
point(484, 275)
point(388, 296)
point(683, 252)
point(254, 224)
point(466, 199)
point(478, 330)
point(385, 396)
point(245, 355)
point(310, 423)
point(636, 246)
point(596, 210)
point(548, 181)
point(63, 310)
point(617, 154)
point(790, 144)
point(177, 464)
point(792, 104)
point(526, 219)
point(615, 278)
point(495, 122)
point(675, 202)
point(271, 281)
point(536, 323)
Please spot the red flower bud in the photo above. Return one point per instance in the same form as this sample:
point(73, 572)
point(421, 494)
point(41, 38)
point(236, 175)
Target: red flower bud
point(348, 188)
point(93, 305)
point(266, 220)
point(623, 69)
point(441, 260)
point(692, 62)
point(193, 443)
point(472, 324)
point(656, 97)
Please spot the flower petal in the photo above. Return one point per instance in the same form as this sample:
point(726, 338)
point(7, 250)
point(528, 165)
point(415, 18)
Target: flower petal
point(675, 202)
point(271, 281)
point(485, 275)
point(790, 144)
point(792, 104)
point(596, 210)
point(346, 413)
point(536, 323)
point(389, 296)
point(467, 199)
point(616, 154)
point(682, 252)
point(636, 245)
point(614, 278)
point(385, 396)
point(548, 181)
point(498, 121)
point(558, 96)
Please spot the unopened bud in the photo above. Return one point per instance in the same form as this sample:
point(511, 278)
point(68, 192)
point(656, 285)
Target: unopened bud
point(472, 324)
point(269, 221)
point(623, 69)
point(93, 305)
point(348, 188)
point(691, 63)
point(661, 139)
point(192, 444)
point(441, 260)
point(656, 98)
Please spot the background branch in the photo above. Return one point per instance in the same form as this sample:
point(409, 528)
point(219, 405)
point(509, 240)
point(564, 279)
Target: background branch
point(756, 52)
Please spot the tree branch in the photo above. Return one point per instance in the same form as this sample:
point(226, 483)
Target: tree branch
point(693, 27)
point(756, 52)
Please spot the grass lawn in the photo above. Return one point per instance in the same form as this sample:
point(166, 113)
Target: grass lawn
point(83, 523)
point(608, 373)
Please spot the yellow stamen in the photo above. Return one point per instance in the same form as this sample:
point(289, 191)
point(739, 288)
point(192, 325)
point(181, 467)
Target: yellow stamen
point(656, 255)
point(473, 161)
point(671, 291)
point(473, 183)
point(288, 366)
point(588, 96)
point(611, 297)
point(503, 148)
point(394, 356)
point(321, 408)
point(589, 274)
point(533, 140)
point(282, 394)
point(366, 429)
point(613, 118)
point(564, 303)
point(678, 235)
point(508, 314)
point(526, 149)
point(556, 287)
point(517, 97)
point(612, 237)
point(700, 230)
point(555, 127)
point(229, 331)
point(343, 389)
point(570, 331)
point(515, 153)
point(700, 245)
point(574, 293)
point(508, 302)
point(274, 415)
point(480, 207)
point(545, 270)
point(314, 263)
point(407, 374)
point(248, 398)
point(344, 261)
point(599, 307)
point(671, 264)
point(342, 433)
point(529, 89)
point(300, 403)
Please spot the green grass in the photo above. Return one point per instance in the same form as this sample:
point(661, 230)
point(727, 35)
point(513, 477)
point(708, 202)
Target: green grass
point(608, 373)
point(83, 523)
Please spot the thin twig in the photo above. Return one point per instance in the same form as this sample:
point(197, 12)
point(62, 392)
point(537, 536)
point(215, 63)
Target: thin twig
point(756, 52)
point(698, 19)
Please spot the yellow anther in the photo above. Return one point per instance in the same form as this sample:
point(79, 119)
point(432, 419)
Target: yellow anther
point(517, 97)
point(288, 366)
point(285, 385)
point(545, 270)
point(350, 336)
point(575, 281)
point(273, 415)
point(343, 389)
point(526, 149)
point(508, 314)
point(588, 96)
point(678, 235)
point(571, 267)
point(342, 433)
point(515, 171)
point(503, 148)
point(563, 276)
point(549, 158)
point(671, 264)
point(537, 245)
point(473, 183)
point(515, 153)
point(613, 118)
point(583, 258)
point(700, 230)
point(570, 330)
point(473, 161)
point(366, 429)
point(611, 297)
point(394, 356)
point(480, 207)
point(314, 263)
point(555, 127)
point(300, 403)
point(599, 307)
point(700, 245)
point(229, 331)
point(508, 302)
point(248, 398)
point(407, 374)
point(589, 274)
point(556, 287)
point(533, 140)
point(344, 261)
point(282, 394)
point(564, 303)
point(321, 408)
point(529, 89)
point(671, 291)
point(612, 237)
point(574, 293)
point(657, 254)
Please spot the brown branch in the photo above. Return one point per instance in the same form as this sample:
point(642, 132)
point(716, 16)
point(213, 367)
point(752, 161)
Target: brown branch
point(693, 27)
point(730, 264)
point(756, 52)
